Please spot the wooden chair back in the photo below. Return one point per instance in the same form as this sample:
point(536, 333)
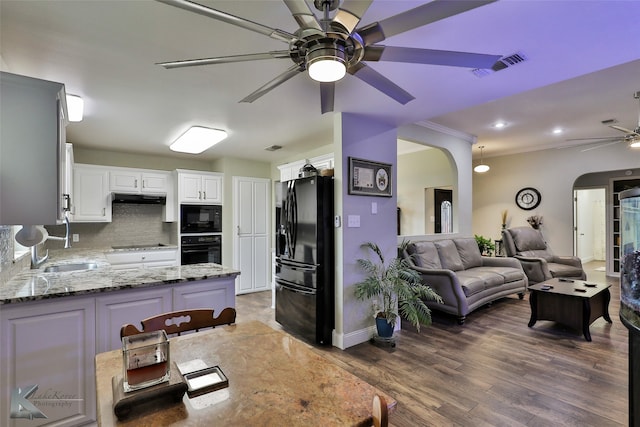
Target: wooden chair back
point(177, 322)
point(380, 411)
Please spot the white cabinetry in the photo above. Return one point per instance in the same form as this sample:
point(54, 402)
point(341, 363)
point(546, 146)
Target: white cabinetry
point(129, 260)
point(33, 116)
point(291, 170)
point(92, 199)
point(115, 310)
point(50, 345)
point(199, 188)
point(133, 181)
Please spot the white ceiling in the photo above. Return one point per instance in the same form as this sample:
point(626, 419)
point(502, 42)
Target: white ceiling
point(583, 67)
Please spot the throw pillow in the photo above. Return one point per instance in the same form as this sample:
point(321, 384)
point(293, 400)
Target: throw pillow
point(449, 257)
point(425, 255)
point(469, 253)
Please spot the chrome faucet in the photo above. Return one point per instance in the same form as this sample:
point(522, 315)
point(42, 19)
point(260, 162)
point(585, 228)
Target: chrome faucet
point(37, 262)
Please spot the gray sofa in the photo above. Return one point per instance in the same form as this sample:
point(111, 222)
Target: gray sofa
point(527, 245)
point(464, 278)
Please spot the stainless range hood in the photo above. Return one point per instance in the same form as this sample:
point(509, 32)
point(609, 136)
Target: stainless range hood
point(140, 199)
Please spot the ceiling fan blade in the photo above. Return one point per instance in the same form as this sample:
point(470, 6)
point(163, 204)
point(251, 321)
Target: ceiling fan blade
point(327, 96)
point(380, 82)
point(350, 13)
point(429, 56)
point(303, 15)
point(600, 146)
point(416, 17)
point(621, 129)
point(603, 139)
point(225, 59)
point(231, 19)
point(291, 72)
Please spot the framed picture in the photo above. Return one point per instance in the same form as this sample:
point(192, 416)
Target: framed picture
point(367, 178)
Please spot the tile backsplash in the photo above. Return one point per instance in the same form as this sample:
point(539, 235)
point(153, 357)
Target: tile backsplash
point(6, 247)
point(131, 224)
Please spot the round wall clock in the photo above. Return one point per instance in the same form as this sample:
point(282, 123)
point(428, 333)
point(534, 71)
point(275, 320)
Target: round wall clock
point(528, 198)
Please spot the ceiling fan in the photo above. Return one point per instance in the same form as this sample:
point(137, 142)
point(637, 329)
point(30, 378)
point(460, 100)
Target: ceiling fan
point(330, 47)
point(631, 137)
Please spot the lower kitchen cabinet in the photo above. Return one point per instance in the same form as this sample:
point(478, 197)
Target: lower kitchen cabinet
point(217, 294)
point(129, 260)
point(49, 345)
point(115, 310)
point(52, 343)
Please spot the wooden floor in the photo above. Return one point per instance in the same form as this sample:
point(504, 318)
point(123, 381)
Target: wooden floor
point(494, 370)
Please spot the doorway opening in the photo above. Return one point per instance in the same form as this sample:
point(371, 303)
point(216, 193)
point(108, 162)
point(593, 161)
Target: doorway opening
point(589, 225)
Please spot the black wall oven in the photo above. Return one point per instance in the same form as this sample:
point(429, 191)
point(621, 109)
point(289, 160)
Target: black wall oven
point(200, 219)
point(199, 249)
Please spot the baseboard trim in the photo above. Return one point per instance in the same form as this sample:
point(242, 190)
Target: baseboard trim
point(344, 341)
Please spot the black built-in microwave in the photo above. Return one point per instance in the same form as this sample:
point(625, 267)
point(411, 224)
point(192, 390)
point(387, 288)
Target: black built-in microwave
point(200, 219)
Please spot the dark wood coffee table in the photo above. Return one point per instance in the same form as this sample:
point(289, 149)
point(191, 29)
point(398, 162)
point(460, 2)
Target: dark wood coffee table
point(575, 303)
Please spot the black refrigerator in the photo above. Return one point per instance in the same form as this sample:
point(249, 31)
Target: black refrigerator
point(304, 258)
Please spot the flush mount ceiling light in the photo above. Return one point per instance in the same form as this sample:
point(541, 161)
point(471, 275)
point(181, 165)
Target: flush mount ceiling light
point(557, 131)
point(481, 168)
point(75, 107)
point(197, 139)
point(326, 61)
point(499, 125)
point(634, 143)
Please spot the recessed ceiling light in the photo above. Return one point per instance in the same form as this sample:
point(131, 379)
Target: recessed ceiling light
point(557, 131)
point(197, 139)
point(499, 125)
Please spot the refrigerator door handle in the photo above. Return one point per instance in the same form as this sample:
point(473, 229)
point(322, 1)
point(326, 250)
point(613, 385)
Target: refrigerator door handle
point(296, 267)
point(283, 284)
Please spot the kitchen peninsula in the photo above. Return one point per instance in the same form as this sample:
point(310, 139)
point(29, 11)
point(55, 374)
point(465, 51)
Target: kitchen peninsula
point(52, 324)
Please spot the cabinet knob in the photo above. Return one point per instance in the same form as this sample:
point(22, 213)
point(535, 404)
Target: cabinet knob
point(205, 195)
point(200, 195)
point(135, 183)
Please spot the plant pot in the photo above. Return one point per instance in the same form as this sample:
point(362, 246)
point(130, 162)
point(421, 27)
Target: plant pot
point(385, 330)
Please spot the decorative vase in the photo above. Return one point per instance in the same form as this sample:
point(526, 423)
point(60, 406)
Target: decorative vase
point(385, 330)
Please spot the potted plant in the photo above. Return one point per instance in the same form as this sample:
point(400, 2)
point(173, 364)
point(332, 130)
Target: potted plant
point(396, 287)
point(485, 245)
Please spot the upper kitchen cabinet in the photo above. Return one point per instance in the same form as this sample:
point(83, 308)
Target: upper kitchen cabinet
point(135, 181)
point(91, 196)
point(199, 188)
point(33, 117)
point(291, 170)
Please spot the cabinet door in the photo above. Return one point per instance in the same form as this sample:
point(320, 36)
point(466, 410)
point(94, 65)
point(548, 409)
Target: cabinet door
point(125, 181)
point(91, 194)
point(190, 188)
point(216, 294)
point(154, 183)
point(50, 345)
point(127, 307)
point(212, 189)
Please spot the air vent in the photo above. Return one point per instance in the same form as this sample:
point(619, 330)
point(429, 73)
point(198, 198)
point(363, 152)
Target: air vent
point(501, 64)
point(609, 122)
point(273, 148)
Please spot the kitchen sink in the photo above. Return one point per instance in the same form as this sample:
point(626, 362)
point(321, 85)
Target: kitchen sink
point(62, 268)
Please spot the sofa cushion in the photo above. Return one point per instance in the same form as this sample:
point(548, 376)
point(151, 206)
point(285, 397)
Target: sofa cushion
point(471, 284)
point(545, 254)
point(564, 270)
point(509, 274)
point(424, 255)
point(527, 239)
point(449, 257)
point(469, 252)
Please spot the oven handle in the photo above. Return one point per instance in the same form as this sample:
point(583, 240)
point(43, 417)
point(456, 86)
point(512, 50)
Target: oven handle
point(281, 284)
point(194, 251)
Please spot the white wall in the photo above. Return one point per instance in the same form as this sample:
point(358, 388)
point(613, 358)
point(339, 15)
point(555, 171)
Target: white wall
point(553, 173)
point(417, 171)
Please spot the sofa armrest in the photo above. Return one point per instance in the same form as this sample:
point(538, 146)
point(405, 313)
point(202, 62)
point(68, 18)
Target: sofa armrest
point(446, 284)
point(536, 269)
point(568, 260)
point(501, 262)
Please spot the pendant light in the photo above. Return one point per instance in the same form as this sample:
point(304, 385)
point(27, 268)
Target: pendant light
point(481, 168)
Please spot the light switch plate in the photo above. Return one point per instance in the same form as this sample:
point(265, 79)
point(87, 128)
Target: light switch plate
point(374, 208)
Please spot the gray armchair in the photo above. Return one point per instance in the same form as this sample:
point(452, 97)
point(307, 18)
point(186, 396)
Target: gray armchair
point(538, 261)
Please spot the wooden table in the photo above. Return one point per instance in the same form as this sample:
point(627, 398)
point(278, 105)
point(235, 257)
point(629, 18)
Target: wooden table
point(274, 380)
point(572, 303)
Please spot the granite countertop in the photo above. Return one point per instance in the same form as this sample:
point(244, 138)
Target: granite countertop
point(31, 285)
point(274, 380)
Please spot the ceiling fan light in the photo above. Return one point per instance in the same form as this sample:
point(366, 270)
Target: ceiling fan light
point(197, 139)
point(481, 168)
point(326, 62)
point(635, 143)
